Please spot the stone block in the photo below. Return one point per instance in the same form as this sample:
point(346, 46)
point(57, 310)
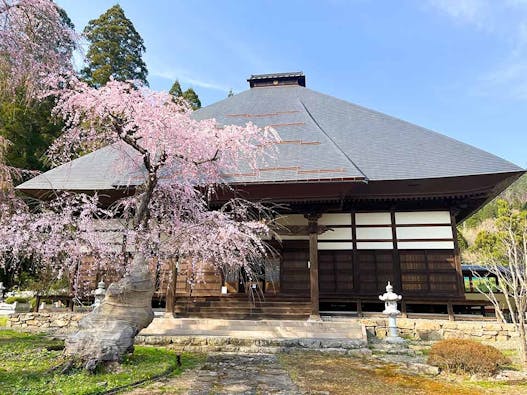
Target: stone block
point(490, 333)
point(330, 344)
point(492, 327)
point(60, 323)
point(422, 368)
point(470, 326)
point(369, 322)
point(309, 343)
point(429, 334)
point(405, 323)
point(427, 325)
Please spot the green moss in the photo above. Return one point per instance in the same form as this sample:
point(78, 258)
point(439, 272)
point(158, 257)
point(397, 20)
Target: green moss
point(27, 363)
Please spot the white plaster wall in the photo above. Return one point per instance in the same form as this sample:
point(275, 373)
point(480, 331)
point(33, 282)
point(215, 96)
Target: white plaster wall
point(336, 234)
point(374, 233)
point(419, 245)
point(374, 245)
point(335, 219)
point(373, 219)
point(425, 232)
point(336, 246)
point(422, 217)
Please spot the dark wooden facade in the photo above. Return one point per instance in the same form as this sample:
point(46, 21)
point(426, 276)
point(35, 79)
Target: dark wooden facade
point(333, 258)
point(340, 271)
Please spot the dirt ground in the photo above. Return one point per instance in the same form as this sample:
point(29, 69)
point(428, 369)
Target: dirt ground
point(314, 373)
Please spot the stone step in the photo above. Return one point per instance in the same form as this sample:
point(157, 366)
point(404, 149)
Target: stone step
point(213, 323)
point(242, 316)
point(245, 304)
point(242, 310)
point(194, 343)
point(261, 329)
point(240, 306)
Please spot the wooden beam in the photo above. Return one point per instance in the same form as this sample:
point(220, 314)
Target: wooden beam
point(313, 268)
point(300, 230)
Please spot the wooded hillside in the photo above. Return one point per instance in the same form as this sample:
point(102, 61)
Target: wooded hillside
point(483, 220)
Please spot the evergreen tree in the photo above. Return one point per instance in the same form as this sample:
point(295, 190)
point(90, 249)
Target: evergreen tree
point(31, 128)
point(190, 96)
point(26, 122)
point(230, 94)
point(116, 49)
point(176, 89)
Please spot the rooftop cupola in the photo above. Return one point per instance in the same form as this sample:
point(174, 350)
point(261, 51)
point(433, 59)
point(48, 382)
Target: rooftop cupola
point(277, 79)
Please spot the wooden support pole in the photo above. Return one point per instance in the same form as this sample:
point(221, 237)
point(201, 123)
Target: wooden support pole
point(404, 313)
point(359, 308)
point(450, 309)
point(313, 267)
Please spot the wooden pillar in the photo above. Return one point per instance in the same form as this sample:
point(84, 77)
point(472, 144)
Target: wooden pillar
point(313, 267)
point(171, 289)
point(359, 308)
point(450, 310)
point(396, 264)
point(404, 313)
point(457, 257)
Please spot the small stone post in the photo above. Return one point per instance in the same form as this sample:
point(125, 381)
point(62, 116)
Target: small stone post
point(99, 293)
point(390, 300)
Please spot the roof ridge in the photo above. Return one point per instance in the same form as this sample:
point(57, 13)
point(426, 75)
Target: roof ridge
point(331, 139)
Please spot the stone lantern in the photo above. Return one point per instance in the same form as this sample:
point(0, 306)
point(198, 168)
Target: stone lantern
point(390, 300)
point(99, 293)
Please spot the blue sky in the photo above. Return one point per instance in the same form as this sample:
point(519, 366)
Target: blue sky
point(455, 66)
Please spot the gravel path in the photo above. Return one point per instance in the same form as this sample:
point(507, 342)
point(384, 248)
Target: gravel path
point(242, 374)
point(228, 374)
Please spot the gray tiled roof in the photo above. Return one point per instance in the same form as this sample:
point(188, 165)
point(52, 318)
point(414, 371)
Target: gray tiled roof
point(363, 142)
point(323, 138)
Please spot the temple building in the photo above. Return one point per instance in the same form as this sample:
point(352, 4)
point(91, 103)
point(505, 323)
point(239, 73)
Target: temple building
point(367, 198)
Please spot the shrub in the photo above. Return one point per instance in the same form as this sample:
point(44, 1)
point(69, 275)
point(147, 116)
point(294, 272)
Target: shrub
point(19, 299)
point(466, 356)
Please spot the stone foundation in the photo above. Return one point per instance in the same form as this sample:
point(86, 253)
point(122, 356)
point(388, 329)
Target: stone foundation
point(248, 346)
point(501, 335)
point(52, 323)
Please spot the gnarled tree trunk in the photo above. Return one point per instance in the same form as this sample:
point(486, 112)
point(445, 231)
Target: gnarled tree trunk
point(108, 332)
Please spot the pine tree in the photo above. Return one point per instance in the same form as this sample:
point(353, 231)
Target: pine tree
point(190, 96)
point(176, 89)
point(115, 51)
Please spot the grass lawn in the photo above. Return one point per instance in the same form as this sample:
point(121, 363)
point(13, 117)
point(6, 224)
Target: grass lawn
point(25, 364)
point(347, 375)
